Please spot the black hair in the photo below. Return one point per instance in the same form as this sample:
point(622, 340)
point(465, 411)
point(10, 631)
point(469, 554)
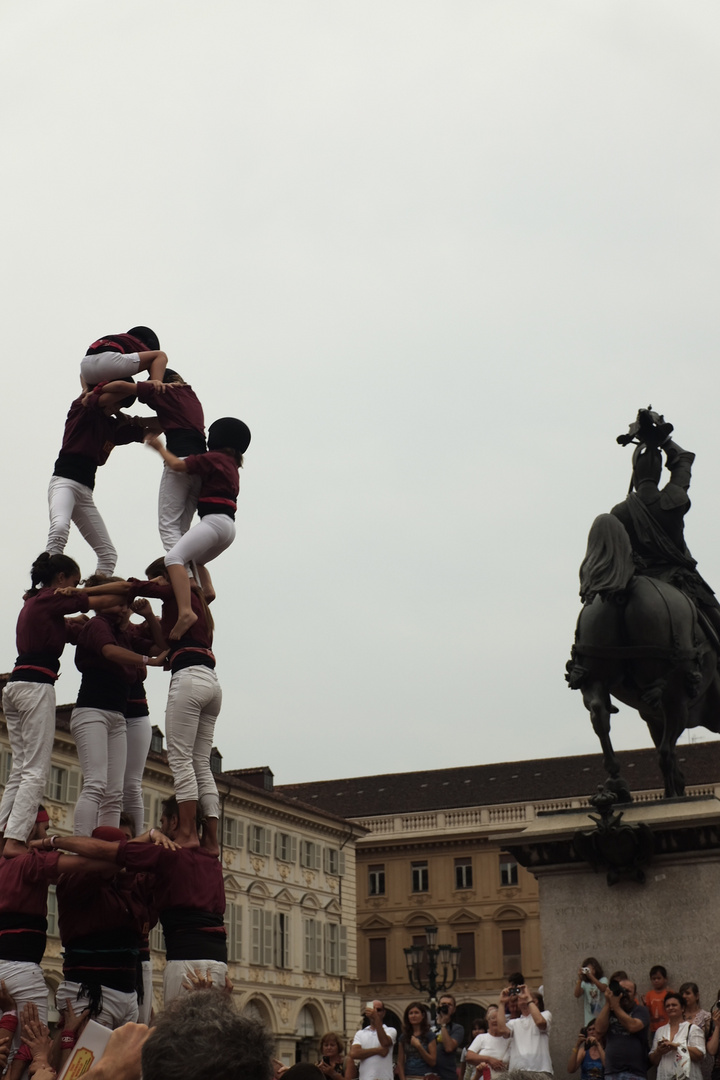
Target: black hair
point(675, 997)
point(128, 822)
point(200, 1036)
point(157, 568)
point(407, 1028)
point(147, 336)
point(658, 969)
point(47, 567)
point(590, 961)
point(693, 986)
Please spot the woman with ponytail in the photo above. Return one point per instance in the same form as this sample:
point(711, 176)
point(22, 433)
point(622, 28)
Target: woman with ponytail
point(29, 697)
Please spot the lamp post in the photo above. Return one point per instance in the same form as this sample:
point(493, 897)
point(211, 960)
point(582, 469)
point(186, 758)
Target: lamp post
point(445, 958)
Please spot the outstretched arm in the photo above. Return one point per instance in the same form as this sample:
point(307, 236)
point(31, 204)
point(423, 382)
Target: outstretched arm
point(175, 463)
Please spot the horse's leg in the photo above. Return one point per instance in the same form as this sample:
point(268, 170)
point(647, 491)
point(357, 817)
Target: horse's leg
point(597, 702)
point(666, 722)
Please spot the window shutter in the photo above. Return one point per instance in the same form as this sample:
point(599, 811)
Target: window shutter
point(267, 938)
point(267, 841)
point(316, 852)
point(256, 947)
point(326, 935)
point(341, 863)
point(278, 846)
point(240, 834)
point(318, 948)
point(293, 849)
point(326, 853)
point(343, 950)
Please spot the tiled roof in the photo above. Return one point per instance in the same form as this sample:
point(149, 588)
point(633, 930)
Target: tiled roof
point(504, 782)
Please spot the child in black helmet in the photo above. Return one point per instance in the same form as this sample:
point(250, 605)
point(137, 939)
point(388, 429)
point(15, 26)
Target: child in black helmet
point(228, 439)
point(115, 356)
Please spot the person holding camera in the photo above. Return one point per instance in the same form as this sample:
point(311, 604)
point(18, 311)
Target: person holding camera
point(590, 986)
point(449, 1036)
point(678, 1046)
point(529, 1033)
point(625, 1025)
point(372, 1045)
point(588, 1055)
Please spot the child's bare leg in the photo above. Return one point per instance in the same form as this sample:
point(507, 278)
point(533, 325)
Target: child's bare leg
point(181, 587)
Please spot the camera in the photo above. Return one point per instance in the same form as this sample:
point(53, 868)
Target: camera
point(326, 1059)
point(514, 991)
point(615, 988)
point(586, 971)
point(443, 1010)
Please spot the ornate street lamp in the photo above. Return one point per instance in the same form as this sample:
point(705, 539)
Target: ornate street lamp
point(440, 958)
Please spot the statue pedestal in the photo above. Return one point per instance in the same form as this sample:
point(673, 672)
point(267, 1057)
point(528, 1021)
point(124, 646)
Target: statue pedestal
point(669, 919)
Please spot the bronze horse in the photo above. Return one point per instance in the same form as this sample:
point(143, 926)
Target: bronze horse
point(640, 640)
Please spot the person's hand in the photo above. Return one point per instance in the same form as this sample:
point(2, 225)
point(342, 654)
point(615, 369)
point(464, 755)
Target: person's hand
point(327, 1070)
point(161, 840)
point(715, 1013)
point(41, 1070)
point(278, 1068)
point(34, 1033)
point(67, 590)
point(228, 987)
point(152, 440)
point(157, 385)
point(415, 1042)
point(496, 1064)
point(72, 1020)
point(7, 1001)
point(197, 980)
point(505, 994)
point(159, 660)
point(141, 606)
point(524, 997)
point(121, 1060)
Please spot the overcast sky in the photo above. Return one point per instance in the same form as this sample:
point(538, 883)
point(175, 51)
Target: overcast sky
point(436, 255)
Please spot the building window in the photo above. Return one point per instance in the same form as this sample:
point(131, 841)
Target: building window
point(285, 847)
point(152, 806)
point(157, 938)
point(310, 855)
point(156, 742)
point(376, 880)
point(259, 840)
point(52, 912)
point(282, 940)
point(232, 832)
point(463, 874)
point(378, 960)
point(63, 785)
point(5, 766)
point(335, 949)
point(334, 861)
point(313, 945)
point(512, 952)
point(233, 929)
point(216, 760)
point(466, 967)
point(419, 876)
point(261, 937)
point(508, 869)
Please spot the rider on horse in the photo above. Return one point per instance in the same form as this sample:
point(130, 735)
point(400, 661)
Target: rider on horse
point(654, 517)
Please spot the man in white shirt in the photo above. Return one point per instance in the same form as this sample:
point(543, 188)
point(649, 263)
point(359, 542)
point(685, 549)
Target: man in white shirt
point(372, 1046)
point(529, 1033)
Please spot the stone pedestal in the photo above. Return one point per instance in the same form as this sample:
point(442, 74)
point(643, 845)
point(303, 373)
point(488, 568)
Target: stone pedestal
point(668, 919)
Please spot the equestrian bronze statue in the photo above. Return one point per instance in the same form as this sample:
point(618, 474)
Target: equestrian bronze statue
point(649, 630)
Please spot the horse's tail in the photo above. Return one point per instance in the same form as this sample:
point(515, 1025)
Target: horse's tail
point(608, 565)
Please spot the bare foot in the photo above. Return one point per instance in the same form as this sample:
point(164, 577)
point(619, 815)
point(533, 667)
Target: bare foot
point(183, 625)
point(13, 848)
point(187, 839)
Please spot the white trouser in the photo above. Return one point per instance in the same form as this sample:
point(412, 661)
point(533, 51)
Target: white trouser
point(176, 970)
point(69, 501)
point(194, 701)
point(146, 1005)
point(101, 739)
point(139, 735)
point(25, 982)
point(177, 502)
point(204, 542)
point(118, 1007)
point(105, 366)
point(30, 714)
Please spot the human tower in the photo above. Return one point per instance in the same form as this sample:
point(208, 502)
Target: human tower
point(110, 722)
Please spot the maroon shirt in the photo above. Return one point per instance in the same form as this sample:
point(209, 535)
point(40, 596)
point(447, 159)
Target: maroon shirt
point(105, 684)
point(94, 905)
point(89, 438)
point(42, 632)
point(219, 481)
point(24, 882)
point(186, 878)
point(177, 407)
point(199, 636)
